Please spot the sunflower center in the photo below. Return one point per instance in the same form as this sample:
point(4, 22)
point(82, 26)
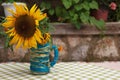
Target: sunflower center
point(25, 26)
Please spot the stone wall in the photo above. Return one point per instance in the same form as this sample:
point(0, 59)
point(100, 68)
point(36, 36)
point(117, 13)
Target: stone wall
point(86, 44)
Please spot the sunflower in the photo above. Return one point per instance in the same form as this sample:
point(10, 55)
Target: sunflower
point(22, 27)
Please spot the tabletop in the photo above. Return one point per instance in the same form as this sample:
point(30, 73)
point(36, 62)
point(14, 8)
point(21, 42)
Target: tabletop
point(61, 71)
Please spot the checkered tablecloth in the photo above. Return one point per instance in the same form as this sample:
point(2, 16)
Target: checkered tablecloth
point(61, 71)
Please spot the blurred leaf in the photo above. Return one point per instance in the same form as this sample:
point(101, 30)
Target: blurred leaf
point(71, 12)
point(78, 7)
point(58, 11)
point(77, 24)
point(51, 11)
point(85, 5)
point(11, 1)
point(65, 14)
point(67, 3)
point(93, 5)
point(48, 6)
point(76, 1)
point(101, 24)
point(75, 17)
point(7, 42)
point(84, 17)
point(98, 23)
point(45, 5)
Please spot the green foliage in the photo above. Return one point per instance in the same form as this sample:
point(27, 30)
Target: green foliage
point(67, 3)
point(4, 35)
point(76, 12)
point(45, 26)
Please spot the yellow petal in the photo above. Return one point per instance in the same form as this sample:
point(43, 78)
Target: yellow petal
point(33, 9)
point(11, 30)
point(26, 45)
point(37, 14)
point(12, 34)
point(38, 38)
point(46, 38)
point(14, 40)
point(37, 22)
point(12, 12)
point(38, 32)
point(26, 9)
point(47, 35)
point(19, 43)
point(29, 41)
point(10, 18)
point(20, 10)
point(33, 42)
point(42, 16)
point(17, 8)
point(8, 24)
point(23, 11)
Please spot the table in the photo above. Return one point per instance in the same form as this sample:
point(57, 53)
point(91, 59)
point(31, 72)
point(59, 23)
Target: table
point(61, 71)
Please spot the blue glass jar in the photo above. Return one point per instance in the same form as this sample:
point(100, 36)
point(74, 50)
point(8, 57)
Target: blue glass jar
point(40, 59)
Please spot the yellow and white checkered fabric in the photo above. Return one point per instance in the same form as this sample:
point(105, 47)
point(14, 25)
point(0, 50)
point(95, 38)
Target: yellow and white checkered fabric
point(61, 71)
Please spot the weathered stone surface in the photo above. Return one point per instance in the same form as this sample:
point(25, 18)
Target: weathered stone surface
point(3, 50)
point(79, 53)
point(16, 54)
point(73, 41)
point(106, 48)
point(63, 55)
point(3, 54)
point(26, 57)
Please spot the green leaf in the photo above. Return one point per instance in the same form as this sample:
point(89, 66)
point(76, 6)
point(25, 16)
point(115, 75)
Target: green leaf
point(92, 20)
point(75, 17)
point(78, 7)
point(84, 17)
point(76, 1)
point(71, 13)
point(58, 11)
point(98, 23)
point(85, 5)
point(77, 24)
point(51, 11)
point(67, 3)
point(42, 5)
point(93, 5)
point(65, 13)
point(101, 23)
point(7, 42)
point(48, 5)
point(45, 5)
point(11, 1)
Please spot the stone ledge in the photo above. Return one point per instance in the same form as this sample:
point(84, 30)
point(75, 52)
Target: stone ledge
point(112, 28)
